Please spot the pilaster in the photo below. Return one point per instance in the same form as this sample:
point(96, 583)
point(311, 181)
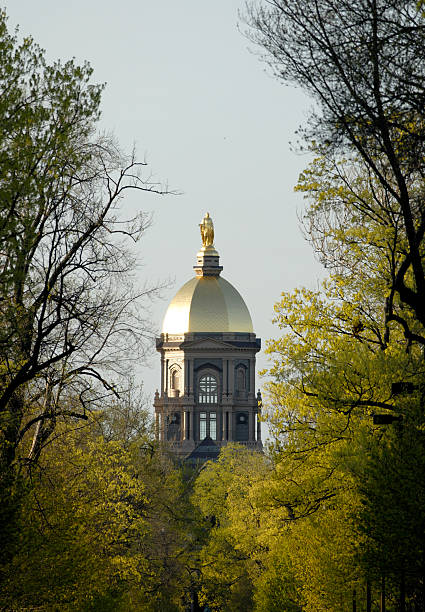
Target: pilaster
point(225, 381)
point(252, 376)
point(231, 375)
point(162, 373)
point(231, 419)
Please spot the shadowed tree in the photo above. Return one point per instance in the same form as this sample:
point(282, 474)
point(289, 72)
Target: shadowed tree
point(363, 64)
point(68, 312)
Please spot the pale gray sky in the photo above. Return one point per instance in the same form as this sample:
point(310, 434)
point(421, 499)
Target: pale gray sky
point(183, 86)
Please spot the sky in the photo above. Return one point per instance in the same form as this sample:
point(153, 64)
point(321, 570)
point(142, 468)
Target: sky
point(186, 87)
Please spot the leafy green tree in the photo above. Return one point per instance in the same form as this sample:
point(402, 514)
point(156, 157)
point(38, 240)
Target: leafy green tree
point(68, 311)
point(225, 493)
point(332, 465)
point(262, 552)
point(343, 347)
point(69, 314)
point(391, 517)
point(76, 524)
point(103, 523)
point(363, 65)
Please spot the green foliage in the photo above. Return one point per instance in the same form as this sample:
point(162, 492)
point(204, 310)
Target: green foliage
point(363, 65)
point(345, 481)
point(225, 492)
point(101, 524)
point(66, 258)
point(350, 490)
point(275, 588)
point(392, 514)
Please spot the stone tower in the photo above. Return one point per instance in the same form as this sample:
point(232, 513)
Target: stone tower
point(208, 350)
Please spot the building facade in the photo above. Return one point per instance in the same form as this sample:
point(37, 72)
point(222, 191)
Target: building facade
point(208, 349)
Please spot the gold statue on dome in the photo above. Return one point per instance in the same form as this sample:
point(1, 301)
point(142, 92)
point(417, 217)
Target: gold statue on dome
point(207, 231)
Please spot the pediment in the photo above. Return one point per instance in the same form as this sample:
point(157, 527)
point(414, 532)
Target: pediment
point(207, 344)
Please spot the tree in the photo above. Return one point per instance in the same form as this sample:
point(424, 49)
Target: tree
point(69, 315)
point(231, 559)
point(391, 519)
point(344, 348)
point(102, 522)
point(329, 377)
point(258, 555)
point(363, 64)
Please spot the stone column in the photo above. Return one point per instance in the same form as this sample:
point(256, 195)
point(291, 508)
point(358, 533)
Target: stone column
point(230, 426)
point(225, 384)
point(190, 377)
point(231, 376)
point(186, 376)
point(252, 375)
point(166, 376)
point(162, 375)
point(187, 424)
point(161, 425)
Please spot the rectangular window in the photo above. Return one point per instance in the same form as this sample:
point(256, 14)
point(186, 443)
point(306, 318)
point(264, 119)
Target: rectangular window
point(213, 425)
point(202, 425)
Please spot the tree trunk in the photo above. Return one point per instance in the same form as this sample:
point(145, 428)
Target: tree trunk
point(382, 603)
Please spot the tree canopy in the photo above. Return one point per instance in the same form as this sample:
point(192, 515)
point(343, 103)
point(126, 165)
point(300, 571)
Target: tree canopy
point(363, 65)
point(69, 313)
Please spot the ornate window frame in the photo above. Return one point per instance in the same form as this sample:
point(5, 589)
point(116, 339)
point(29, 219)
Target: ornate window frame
point(241, 371)
point(210, 394)
point(175, 376)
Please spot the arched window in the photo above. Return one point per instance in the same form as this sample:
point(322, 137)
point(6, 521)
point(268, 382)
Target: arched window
point(240, 380)
point(208, 390)
point(175, 379)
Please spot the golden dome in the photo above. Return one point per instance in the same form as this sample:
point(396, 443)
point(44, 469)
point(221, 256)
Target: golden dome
point(207, 304)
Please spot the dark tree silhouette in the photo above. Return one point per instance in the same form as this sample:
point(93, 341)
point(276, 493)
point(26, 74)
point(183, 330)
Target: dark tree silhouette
point(364, 65)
